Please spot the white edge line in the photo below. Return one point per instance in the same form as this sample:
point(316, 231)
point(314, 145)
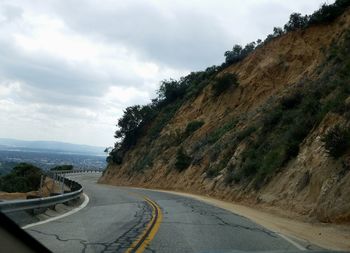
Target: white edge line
point(291, 241)
point(84, 204)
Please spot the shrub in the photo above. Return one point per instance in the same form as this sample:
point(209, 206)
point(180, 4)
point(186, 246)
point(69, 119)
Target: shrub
point(271, 119)
point(224, 82)
point(193, 126)
point(182, 160)
point(215, 135)
point(163, 118)
point(24, 177)
point(291, 150)
point(212, 172)
point(291, 101)
point(245, 133)
point(144, 162)
point(232, 177)
point(250, 167)
point(337, 141)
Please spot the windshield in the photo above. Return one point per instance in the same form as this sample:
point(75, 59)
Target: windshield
point(174, 126)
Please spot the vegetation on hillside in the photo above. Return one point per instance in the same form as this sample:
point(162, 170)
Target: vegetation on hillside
point(326, 13)
point(285, 126)
point(193, 126)
point(272, 141)
point(24, 177)
point(224, 82)
point(6, 167)
point(337, 141)
point(182, 160)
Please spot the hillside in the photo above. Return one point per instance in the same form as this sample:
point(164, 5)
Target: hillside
point(269, 128)
point(52, 146)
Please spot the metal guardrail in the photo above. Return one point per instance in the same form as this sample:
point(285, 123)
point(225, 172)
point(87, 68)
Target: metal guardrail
point(20, 205)
point(76, 171)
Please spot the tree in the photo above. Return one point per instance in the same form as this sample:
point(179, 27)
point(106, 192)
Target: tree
point(170, 90)
point(328, 13)
point(238, 53)
point(223, 82)
point(130, 127)
point(24, 177)
point(234, 55)
point(296, 21)
point(248, 49)
point(131, 123)
point(277, 31)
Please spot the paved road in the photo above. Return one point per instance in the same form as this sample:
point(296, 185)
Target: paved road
point(117, 218)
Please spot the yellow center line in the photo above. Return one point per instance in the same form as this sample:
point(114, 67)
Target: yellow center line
point(143, 240)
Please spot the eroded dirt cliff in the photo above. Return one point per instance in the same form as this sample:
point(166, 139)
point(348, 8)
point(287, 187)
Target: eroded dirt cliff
point(309, 66)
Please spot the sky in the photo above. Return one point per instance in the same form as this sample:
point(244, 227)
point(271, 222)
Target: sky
point(68, 69)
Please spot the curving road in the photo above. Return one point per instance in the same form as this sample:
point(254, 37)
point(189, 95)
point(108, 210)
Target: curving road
point(119, 219)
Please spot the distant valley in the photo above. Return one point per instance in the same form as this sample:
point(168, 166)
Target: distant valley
point(49, 146)
point(48, 154)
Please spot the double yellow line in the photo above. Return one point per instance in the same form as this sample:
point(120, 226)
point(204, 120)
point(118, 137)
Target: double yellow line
point(140, 244)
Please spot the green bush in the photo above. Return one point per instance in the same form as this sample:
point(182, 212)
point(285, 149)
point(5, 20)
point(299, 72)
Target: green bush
point(238, 53)
point(223, 82)
point(171, 90)
point(291, 101)
point(115, 156)
point(337, 141)
point(291, 150)
point(182, 160)
point(250, 167)
point(193, 126)
point(212, 172)
point(144, 162)
point(245, 133)
point(215, 135)
point(296, 21)
point(232, 177)
point(163, 118)
point(62, 167)
point(271, 119)
point(24, 177)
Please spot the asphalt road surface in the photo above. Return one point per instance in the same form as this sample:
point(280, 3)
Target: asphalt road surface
point(119, 219)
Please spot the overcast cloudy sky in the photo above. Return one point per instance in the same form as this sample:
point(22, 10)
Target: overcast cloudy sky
point(69, 68)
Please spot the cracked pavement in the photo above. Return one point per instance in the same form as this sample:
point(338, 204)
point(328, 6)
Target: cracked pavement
point(115, 217)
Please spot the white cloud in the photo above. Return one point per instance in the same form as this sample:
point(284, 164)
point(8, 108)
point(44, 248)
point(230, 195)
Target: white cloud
point(9, 88)
point(67, 71)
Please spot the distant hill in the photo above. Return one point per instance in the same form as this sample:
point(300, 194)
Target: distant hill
point(52, 146)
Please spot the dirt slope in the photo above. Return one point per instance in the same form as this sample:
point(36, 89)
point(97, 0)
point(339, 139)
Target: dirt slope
point(312, 185)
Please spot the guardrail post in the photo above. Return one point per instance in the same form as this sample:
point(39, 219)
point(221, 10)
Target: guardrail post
point(62, 183)
point(53, 182)
point(41, 185)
